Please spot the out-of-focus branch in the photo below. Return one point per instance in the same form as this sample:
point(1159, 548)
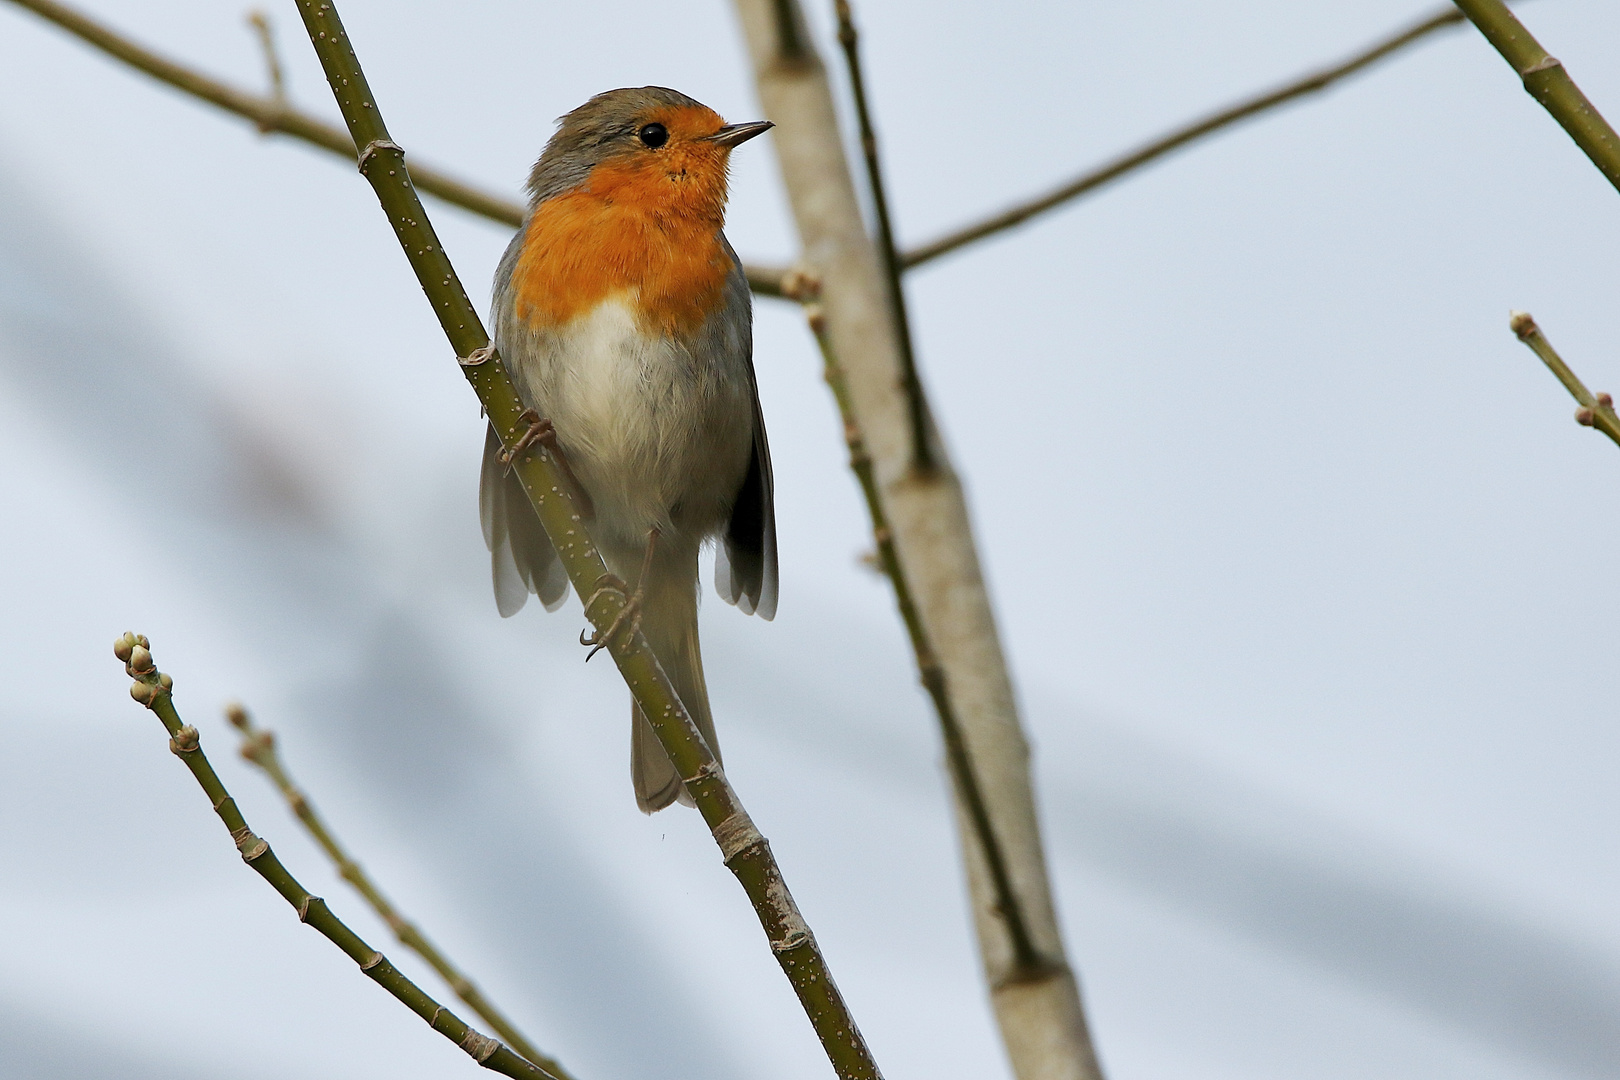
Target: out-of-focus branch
point(272, 59)
point(274, 114)
point(1596, 410)
point(1042, 1022)
point(1179, 137)
point(1026, 958)
point(259, 747)
point(1546, 80)
point(747, 853)
point(154, 689)
point(921, 453)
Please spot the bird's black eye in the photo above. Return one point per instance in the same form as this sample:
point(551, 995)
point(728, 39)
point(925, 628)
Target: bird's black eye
point(654, 136)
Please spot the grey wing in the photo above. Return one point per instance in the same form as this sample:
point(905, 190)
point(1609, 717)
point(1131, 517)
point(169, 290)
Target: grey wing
point(522, 560)
point(745, 565)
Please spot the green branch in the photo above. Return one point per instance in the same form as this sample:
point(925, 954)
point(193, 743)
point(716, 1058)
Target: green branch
point(922, 454)
point(272, 113)
point(1596, 410)
point(1027, 959)
point(1088, 181)
point(1546, 80)
point(259, 747)
point(154, 689)
point(746, 851)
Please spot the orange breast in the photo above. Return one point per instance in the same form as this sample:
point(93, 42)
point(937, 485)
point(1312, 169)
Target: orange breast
point(650, 234)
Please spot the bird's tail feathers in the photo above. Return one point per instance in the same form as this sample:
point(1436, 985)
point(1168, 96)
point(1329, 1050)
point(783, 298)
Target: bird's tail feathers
point(669, 620)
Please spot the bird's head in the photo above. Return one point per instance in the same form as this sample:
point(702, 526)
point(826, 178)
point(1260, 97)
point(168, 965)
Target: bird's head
point(648, 145)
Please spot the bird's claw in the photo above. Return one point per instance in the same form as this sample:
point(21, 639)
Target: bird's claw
point(541, 430)
point(601, 639)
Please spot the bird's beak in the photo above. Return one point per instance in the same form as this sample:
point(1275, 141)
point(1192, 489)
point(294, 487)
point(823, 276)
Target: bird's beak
point(736, 134)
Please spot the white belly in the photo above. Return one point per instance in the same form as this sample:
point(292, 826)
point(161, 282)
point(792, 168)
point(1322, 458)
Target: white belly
point(658, 431)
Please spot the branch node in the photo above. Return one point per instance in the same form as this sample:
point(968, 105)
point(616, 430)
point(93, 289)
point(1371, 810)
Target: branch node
point(1522, 324)
point(249, 845)
point(185, 741)
point(1584, 416)
point(377, 146)
point(1546, 63)
point(478, 1046)
point(736, 834)
point(801, 284)
point(476, 357)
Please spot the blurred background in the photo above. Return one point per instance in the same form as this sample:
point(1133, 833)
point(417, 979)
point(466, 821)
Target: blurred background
point(1302, 566)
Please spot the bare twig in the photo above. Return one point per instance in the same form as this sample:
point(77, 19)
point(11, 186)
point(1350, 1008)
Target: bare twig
point(272, 60)
point(259, 747)
point(1596, 410)
point(1041, 1018)
point(1546, 80)
point(274, 114)
point(154, 689)
point(747, 853)
point(1027, 960)
point(1181, 136)
point(922, 455)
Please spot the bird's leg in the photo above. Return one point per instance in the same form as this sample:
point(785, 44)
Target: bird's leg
point(541, 430)
point(600, 640)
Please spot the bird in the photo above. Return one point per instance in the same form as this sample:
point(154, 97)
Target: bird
point(626, 321)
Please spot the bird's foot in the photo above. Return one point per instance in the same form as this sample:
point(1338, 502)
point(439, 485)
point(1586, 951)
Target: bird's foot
point(540, 430)
point(543, 432)
point(631, 612)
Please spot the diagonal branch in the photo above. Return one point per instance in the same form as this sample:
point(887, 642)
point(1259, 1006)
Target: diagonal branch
point(272, 113)
point(747, 853)
point(154, 689)
point(1027, 959)
point(259, 747)
point(1546, 80)
point(1596, 410)
point(921, 453)
point(1191, 132)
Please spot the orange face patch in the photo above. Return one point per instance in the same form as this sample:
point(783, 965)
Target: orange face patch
point(644, 223)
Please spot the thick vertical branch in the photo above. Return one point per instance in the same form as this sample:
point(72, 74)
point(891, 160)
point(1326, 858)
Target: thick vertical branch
point(1042, 1022)
point(747, 853)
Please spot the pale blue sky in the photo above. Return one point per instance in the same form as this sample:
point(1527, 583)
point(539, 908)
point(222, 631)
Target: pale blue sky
point(1298, 557)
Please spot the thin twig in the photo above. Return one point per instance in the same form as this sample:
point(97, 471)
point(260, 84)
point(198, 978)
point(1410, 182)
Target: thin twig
point(922, 454)
point(153, 689)
point(273, 114)
point(1181, 136)
point(259, 747)
point(272, 60)
point(1027, 959)
point(747, 853)
point(1596, 410)
point(1546, 80)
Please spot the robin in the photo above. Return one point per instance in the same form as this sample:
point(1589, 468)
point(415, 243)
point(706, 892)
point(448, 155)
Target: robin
point(626, 320)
